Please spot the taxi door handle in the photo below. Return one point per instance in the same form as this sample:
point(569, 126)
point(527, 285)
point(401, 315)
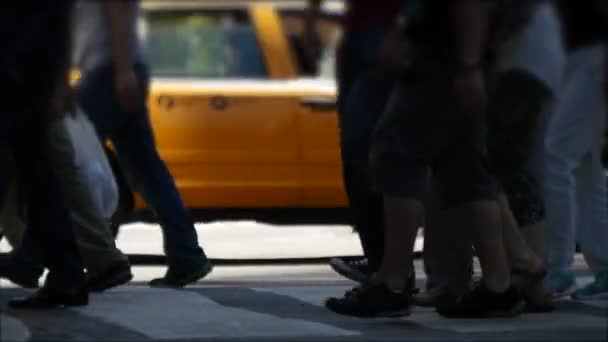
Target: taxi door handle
point(319, 103)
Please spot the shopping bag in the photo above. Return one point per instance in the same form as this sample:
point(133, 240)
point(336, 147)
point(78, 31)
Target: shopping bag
point(92, 160)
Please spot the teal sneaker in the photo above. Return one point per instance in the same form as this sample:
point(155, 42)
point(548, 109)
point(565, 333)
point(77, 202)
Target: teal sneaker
point(561, 283)
point(596, 290)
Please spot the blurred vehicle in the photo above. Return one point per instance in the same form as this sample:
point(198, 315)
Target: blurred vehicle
point(237, 118)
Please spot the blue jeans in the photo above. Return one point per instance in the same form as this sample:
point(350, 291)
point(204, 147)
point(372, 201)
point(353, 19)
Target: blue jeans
point(575, 182)
point(361, 100)
point(132, 136)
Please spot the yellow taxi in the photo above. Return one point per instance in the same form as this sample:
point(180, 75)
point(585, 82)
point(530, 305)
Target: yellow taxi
point(236, 119)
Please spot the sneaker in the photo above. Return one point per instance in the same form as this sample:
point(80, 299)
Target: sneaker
point(174, 280)
point(370, 301)
point(596, 290)
point(118, 273)
point(482, 302)
point(356, 270)
point(562, 284)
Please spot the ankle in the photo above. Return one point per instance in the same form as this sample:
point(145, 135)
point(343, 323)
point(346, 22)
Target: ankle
point(498, 285)
point(395, 284)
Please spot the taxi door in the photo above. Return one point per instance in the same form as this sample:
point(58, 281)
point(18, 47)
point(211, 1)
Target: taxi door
point(227, 132)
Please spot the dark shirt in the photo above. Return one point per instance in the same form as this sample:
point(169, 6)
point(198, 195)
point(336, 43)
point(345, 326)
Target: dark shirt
point(361, 14)
point(35, 51)
point(583, 23)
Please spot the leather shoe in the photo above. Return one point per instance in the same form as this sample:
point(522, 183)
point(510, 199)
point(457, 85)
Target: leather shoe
point(46, 298)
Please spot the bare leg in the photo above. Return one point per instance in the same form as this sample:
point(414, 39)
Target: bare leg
point(483, 220)
point(521, 256)
point(535, 237)
point(403, 217)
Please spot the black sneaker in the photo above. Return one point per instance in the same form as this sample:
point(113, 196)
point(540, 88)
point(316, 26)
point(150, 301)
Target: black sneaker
point(356, 270)
point(173, 280)
point(117, 274)
point(481, 302)
point(370, 301)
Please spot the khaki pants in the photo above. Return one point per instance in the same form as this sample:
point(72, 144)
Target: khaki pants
point(94, 238)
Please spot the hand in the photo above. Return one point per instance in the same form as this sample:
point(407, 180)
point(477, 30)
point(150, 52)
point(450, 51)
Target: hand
point(397, 54)
point(470, 88)
point(311, 44)
point(126, 87)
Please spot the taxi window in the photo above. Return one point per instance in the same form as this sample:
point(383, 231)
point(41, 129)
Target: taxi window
point(202, 45)
point(329, 29)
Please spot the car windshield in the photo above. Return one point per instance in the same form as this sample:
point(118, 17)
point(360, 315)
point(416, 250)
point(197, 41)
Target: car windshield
point(201, 45)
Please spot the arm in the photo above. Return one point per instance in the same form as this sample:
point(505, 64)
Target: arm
point(310, 40)
point(119, 15)
point(470, 26)
point(62, 101)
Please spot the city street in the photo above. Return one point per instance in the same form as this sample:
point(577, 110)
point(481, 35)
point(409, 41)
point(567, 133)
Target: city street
point(271, 302)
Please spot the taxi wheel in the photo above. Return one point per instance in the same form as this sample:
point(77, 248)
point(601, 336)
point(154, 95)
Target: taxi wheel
point(126, 199)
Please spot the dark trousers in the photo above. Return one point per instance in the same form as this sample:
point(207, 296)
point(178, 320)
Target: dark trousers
point(50, 225)
point(362, 98)
point(132, 136)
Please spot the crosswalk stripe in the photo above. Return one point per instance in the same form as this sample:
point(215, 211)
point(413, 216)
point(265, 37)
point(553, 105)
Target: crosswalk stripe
point(12, 329)
point(170, 314)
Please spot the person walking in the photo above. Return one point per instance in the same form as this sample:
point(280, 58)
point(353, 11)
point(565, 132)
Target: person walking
point(113, 92)
point(575, 182)
point(34, 66)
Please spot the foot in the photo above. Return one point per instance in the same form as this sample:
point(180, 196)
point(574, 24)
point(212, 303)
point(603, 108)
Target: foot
point(46, 298)
point(562, 284)
point(117, 274)
point(536, 295)
point(178, 280)
point(436, 296)
point(355, 270)
point(18, 273)
point(538, 299)
point(596, 290)
point(358, 271)
point(371, 300)
point(482, 302)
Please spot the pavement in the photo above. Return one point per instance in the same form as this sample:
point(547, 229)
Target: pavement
point(273, 302)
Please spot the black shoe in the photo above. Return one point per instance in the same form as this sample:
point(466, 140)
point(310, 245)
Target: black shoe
point(356, 270)
point(173, 280)
point(46, 298)
point(481, 302)
point(369, 301)
point(119, 273)
point(18, 273)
